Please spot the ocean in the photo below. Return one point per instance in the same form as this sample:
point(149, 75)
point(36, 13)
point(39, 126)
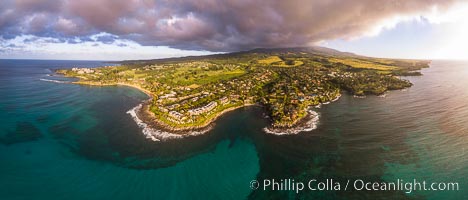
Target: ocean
point(65, 141)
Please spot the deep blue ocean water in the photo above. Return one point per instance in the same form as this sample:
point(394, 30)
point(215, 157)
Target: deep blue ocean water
point(65, 141)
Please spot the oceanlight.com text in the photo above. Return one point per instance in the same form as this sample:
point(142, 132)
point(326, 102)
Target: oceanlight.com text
point(407, 186)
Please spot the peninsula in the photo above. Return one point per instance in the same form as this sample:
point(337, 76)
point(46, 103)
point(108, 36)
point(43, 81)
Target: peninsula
point(189, 93)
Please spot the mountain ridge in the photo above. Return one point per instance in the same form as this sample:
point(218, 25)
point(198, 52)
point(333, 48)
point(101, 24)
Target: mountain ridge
point(317, 50)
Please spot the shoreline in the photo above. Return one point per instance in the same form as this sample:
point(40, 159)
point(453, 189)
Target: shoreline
point(147, 92)
point(307, 123)
point(166, 123)
point(157, 130)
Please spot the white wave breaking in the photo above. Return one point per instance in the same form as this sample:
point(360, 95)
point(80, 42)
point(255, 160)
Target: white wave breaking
point(155, 134)
point(336, 98)
point(333, 100)
point(54, 81)
point(359, 97)
point(382, 95)
point(328, 102)
point(307, 126)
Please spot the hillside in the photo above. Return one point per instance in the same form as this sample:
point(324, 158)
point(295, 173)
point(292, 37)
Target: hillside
point(190, 92)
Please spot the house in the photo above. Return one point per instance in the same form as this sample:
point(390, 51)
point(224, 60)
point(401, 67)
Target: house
point(224, 100)
point(82, 70)
point(203, 109)
point(176, 115)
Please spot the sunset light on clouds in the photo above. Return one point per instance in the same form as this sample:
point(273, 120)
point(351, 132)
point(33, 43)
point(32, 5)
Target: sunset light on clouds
point(142, 29)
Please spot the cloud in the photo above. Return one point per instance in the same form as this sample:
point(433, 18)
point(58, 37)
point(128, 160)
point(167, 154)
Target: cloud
point(213, 25)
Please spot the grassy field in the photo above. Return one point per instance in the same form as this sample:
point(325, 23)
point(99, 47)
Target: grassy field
point(285, 81)
point(364, 64)
point(194, 77)
point(269, 60)
point(278, 62)
point(201, 77)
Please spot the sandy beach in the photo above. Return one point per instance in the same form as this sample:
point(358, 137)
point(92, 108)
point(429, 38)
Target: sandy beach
point(157, 130)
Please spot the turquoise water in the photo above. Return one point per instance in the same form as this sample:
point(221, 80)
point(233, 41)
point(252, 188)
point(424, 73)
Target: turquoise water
point(64, 141)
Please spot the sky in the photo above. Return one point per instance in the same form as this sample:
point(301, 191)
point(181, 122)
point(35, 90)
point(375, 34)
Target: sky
point(148, 29)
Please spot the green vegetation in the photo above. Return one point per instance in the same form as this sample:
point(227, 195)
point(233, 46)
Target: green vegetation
point(364, 63)
point(191, 91)
point(269, 60)
point(276, 61)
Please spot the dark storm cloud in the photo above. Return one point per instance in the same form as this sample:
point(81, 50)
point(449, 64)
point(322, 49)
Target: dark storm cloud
point(213, 25)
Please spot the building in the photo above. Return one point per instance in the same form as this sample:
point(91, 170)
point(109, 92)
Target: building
point(224, 100)
point(203, 109)
point(82, 70)
point(176, 115)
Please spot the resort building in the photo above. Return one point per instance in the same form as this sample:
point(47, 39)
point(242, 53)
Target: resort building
point(176, 115)
point(82, 70)
point(204, 109)
point(224, 100)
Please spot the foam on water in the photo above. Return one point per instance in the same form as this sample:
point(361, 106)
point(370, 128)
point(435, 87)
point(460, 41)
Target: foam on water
point(54, 81)
point(359, 97)
point(155, 134)
point(307, 126)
